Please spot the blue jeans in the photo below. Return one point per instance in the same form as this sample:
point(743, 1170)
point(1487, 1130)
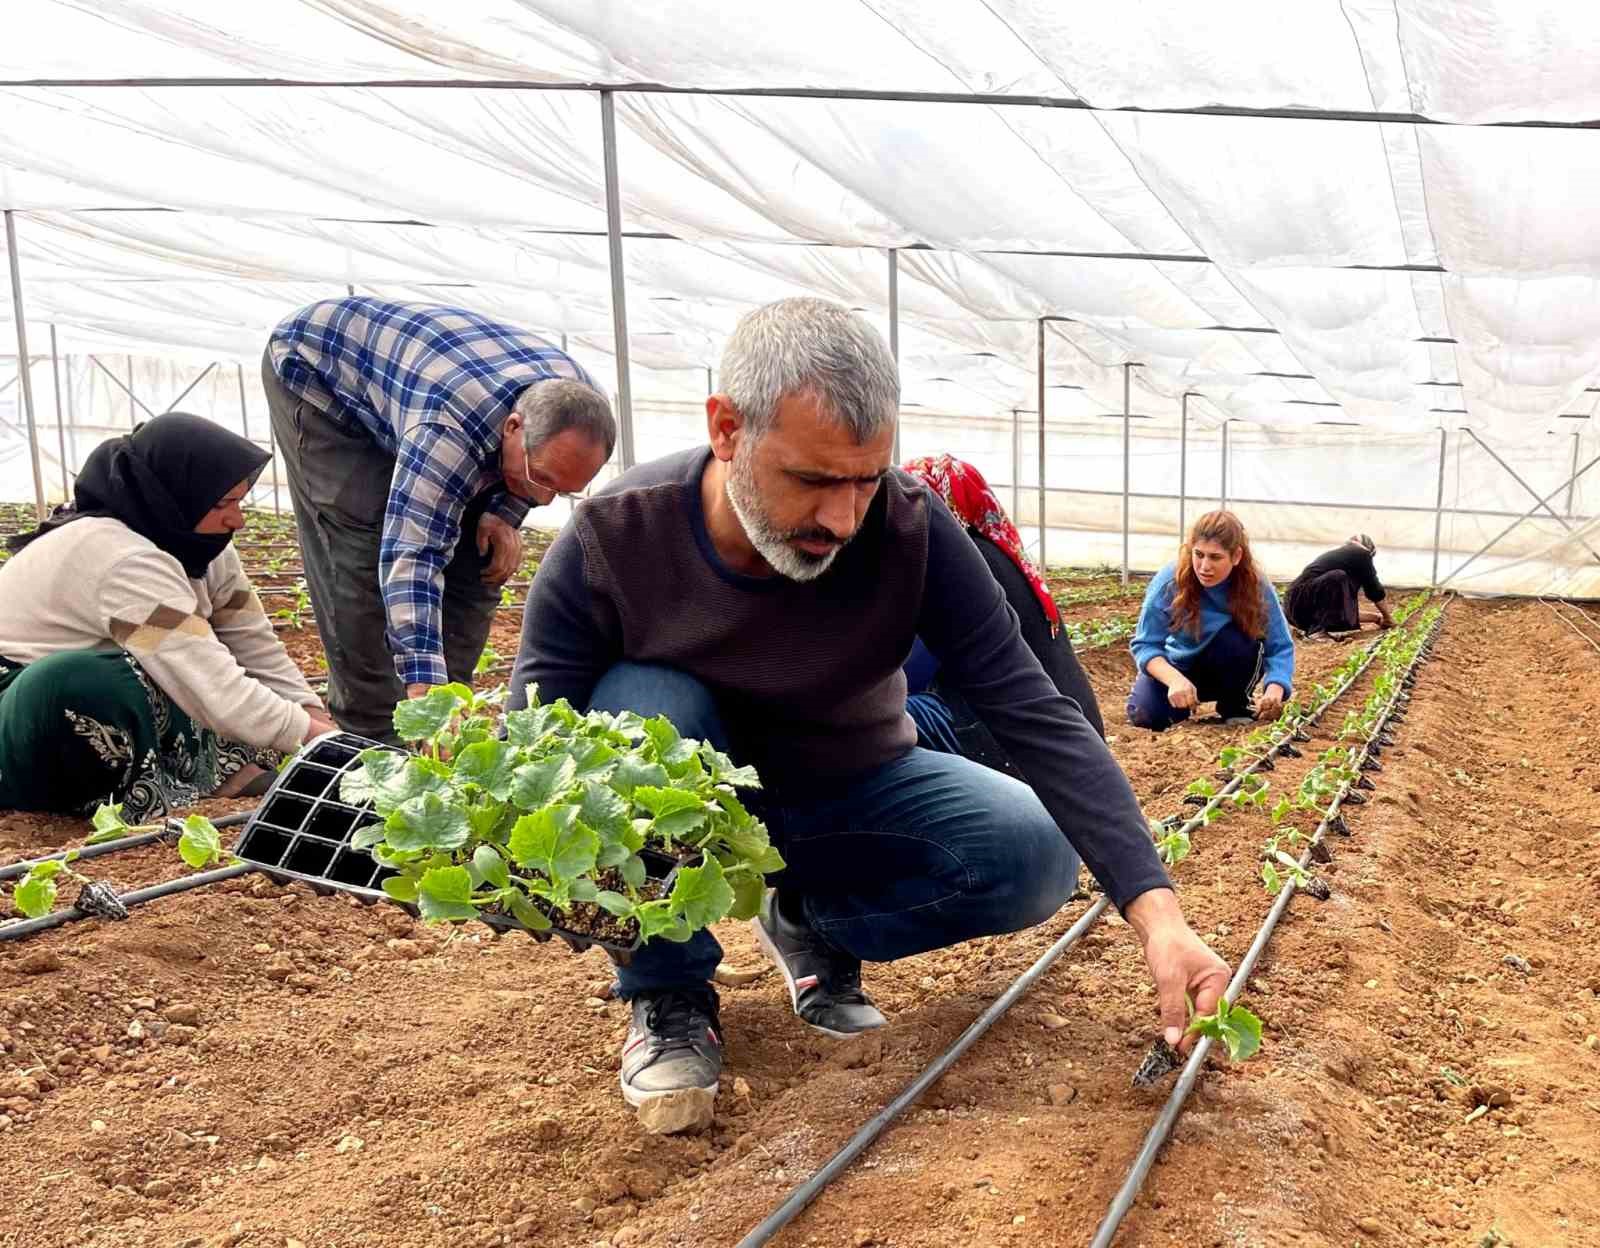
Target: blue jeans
point(925, 851)
point(1224, 672)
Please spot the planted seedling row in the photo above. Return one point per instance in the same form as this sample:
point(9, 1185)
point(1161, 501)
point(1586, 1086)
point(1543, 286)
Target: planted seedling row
point(1224, 1022)
point(1384, 708)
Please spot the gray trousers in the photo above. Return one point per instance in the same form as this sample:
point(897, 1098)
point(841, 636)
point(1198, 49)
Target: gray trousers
point(340, 486)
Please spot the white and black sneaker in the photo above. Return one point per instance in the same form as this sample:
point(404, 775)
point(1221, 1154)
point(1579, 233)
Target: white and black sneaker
point(824, 984)
point(674, 1044)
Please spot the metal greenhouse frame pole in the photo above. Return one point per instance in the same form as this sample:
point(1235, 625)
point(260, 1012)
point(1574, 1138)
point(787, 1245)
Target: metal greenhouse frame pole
point(1525, 516)
point(24, 365)
point(1438, 504)
point(1225, 465)
point(1576, 434)
point(1016, 462)
point(1127, 461)
point(619, 298)
point(1042, 564)
point(894, 334)
point(61, 424)
point(1183, 463)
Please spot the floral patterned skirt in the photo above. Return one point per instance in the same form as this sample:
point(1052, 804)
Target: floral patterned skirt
point(89, 726)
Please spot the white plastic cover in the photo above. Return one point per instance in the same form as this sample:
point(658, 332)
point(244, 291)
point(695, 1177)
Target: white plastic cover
point(1356, 264)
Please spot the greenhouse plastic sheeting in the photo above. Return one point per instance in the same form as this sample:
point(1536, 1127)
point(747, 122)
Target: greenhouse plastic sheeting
point(1382, 251)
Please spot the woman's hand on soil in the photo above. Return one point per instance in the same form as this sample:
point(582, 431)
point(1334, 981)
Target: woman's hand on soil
point(1183, 966)
point(1269, 701)
point(1182, 694)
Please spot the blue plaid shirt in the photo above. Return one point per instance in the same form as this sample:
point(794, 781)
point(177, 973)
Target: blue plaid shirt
point(433, 386)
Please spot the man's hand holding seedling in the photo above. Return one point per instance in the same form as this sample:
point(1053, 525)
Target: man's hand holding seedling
point(1183, 966)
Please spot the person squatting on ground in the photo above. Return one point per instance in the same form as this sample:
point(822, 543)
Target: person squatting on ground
point(139, 666)
point(944, 721)
point(1324, 598)
point(403, 427)
point(763, 593)
point(1210, 630)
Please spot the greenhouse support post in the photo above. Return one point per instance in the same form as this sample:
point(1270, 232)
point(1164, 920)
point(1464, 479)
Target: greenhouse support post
point(1183, 460)
point(1127, 460)
point(71, 417)
point(24, 365)
point(619, 298)
point(1224, 465)
point(133, 416)
point(1016, 462)
point(272, 444)
point(61, 424)
point(1533, 493)
point(894, 333)
point(1438, 504)
point(1042, 564)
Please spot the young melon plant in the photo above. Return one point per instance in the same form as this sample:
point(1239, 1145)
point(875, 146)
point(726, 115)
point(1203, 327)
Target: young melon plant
point(551, 824)
point(1236, 1028)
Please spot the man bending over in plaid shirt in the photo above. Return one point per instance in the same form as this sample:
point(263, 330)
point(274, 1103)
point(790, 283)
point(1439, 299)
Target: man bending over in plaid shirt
point(404, 426)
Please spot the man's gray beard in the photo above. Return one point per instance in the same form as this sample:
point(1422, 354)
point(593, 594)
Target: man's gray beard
point(770, 542)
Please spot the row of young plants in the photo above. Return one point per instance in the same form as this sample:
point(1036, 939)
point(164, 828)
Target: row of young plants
point(608, 827)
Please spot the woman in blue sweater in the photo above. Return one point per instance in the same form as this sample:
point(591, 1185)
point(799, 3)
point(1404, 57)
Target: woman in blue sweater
point(1210, 629)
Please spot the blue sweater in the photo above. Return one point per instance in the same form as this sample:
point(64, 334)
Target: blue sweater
point(1156, 636)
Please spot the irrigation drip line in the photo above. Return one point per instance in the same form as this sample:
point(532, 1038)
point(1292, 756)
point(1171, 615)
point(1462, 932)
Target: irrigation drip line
point(1145, 1159)
point(1555, 608)
point(29, 927)
point(806, 1192)
point(170, 832)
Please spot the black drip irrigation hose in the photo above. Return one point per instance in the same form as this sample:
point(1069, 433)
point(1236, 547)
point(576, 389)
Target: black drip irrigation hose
point(170, 832)
point(1145, 1160)
point(28, 927)
point(806, 1192)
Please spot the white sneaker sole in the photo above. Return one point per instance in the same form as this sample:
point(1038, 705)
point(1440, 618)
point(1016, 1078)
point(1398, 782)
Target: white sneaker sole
point(635, 1097)
point(771, 950)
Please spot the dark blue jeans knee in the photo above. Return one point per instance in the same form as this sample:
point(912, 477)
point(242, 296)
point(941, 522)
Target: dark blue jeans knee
point(650, 689)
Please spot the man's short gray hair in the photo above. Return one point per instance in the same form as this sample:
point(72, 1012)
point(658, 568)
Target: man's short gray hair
point(817, 348)
point(558, 404)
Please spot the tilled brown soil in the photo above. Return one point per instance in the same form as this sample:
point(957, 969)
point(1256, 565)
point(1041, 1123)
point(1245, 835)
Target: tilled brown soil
point(254, 1065)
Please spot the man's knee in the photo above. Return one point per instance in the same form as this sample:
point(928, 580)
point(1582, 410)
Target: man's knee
point(650, 689)
point(1043, 875)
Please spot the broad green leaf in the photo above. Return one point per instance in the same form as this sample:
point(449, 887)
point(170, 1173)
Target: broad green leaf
point(633, 871)
point(395, 859)
point(539, 784)
point(46, 870)
point(1271, 879)
point(614, 903)
point(401, 888)
point(491, 822)
point(676, 812)
point(444, 895)
point(606, 811)
point(378, 767)
point(427, 822)
point(488, 867)
point(524, 728)
point(748, 889)
point(553, 842)
point(108, 825)
point(424, 718)
point(672, 751)
point(36, 895)
point(368, 836)
point(414, 777)
point(583, 889)
point(595, 760)
point(635, 770)
point(658, 920)
point(702, 895)
point(489, 765)
point(722, 769)
point(201, 844)
point(526, 913)
point(1236, 1027)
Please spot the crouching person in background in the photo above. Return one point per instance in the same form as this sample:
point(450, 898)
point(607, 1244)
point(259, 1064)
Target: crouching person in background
point(1210, 630)
point(1325, 597)
point(763, 592)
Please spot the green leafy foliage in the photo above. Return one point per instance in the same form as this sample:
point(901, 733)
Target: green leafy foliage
point(548, 822)
point(1238, 1030)
point(200, 845)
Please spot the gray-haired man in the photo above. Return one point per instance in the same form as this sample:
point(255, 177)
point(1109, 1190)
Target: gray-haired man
point(403, 427)
point(763, 592)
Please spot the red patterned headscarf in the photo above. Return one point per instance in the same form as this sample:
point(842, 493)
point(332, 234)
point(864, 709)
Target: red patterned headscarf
point(968, 495)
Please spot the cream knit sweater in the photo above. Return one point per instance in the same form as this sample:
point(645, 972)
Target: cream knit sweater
point(95, 584)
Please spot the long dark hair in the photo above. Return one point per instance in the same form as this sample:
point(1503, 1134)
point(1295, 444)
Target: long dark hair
point(1244, 582)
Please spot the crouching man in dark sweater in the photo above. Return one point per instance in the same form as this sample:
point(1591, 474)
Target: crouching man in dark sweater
point(763, 593)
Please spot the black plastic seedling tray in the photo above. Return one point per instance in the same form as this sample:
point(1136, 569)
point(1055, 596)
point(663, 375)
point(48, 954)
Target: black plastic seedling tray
point(302, 830)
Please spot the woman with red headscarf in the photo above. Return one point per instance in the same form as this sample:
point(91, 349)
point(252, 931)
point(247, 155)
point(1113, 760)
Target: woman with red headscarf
point(944, 722)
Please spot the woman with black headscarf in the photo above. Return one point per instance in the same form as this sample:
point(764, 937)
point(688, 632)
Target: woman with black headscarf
point(136, 662)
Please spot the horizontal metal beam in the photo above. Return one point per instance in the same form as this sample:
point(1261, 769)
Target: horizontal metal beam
point(991, 99)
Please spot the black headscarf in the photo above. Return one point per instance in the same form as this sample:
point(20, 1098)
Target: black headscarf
point(160, 481)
